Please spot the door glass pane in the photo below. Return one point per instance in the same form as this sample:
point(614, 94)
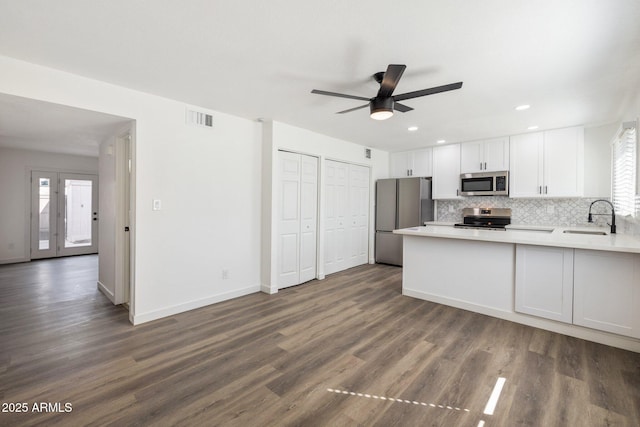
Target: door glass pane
point(77, 213)
point(44, 232)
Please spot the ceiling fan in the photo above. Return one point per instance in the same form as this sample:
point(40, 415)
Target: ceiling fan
point(383, 104)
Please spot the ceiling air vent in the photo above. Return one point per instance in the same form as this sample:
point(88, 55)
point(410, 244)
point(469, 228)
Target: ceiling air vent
point(367, 153)
point(198, 118)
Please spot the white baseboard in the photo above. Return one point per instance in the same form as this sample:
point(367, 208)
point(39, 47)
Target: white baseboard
point(267, 289)
point(613, 340)
point(14, 260)
point(102, 288)
point(192, 305)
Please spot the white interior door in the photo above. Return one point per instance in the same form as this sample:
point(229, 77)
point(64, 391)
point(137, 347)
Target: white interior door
point(297, 218)
point(64, 214)
point(336, 180)
point(308, 218)
point(346, 216)
point(359, 215)
point(288, 219)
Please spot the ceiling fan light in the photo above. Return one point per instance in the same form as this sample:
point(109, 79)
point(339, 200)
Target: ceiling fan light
point(381, 114)
point(381, 108)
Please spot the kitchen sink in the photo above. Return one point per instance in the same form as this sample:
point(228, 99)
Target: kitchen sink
point(589, 232)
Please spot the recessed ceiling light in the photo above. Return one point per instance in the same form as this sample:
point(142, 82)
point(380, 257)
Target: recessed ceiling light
point(523, 107)
point(533, 127)
point(412, 128)
point(440, 141)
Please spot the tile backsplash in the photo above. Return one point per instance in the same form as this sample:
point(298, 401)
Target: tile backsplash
point(559, 212)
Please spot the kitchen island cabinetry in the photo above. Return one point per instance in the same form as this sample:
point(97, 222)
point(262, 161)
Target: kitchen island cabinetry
point(582, 285)
point(607, 292)
point(544, 282)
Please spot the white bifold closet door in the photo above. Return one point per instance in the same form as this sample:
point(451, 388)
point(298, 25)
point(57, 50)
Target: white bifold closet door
point(346, 242)
point(297, 214)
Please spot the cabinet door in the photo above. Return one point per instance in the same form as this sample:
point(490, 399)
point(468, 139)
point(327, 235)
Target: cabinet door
point(607, 291)
point(471, 157)
point(496, 155)
point(446, 172)
point(525, 170)
point(399, 164)
point(422, 164)
point(563, 162)
point(544, 282)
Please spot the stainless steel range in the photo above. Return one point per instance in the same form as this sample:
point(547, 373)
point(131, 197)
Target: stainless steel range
point(485, 218)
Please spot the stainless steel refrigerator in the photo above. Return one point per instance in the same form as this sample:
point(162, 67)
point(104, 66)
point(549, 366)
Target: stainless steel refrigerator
point(400, 203)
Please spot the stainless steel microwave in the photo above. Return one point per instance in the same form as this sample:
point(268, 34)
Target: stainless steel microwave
point(484, 184)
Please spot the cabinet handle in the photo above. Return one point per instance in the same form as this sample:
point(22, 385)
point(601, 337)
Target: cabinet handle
point(545, 189)
point(457, 191)
point(485, 165)
point(540, 190)
point(480, 165)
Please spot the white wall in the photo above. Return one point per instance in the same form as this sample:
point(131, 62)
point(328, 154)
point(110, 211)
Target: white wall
point(207, 179)
point(15, 171)
point(280, 136)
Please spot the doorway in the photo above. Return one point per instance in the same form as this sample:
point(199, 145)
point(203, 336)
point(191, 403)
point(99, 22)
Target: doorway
point(64, 214)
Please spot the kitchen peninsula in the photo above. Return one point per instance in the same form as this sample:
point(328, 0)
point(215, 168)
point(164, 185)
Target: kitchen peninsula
point(579, 282)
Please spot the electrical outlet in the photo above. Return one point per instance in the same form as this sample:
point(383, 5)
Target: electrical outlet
point(551, 209)
point(451, 210)
point(225, 274)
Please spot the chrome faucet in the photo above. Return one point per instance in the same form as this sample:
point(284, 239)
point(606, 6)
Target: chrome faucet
point(613, 215)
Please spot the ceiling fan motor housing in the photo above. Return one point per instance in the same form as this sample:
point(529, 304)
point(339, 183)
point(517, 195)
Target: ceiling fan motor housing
point(381, 104)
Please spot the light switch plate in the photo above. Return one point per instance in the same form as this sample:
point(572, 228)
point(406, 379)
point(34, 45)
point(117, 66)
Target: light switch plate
point(157, 204)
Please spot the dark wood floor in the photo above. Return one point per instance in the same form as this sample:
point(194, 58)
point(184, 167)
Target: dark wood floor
point(349, 350)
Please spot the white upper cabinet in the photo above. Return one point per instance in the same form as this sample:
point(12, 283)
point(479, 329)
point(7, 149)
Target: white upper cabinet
point(446, 172)
point(525, 170)
point(547, 164)
point(411, 163)
point(484, 156)
point(563, 171)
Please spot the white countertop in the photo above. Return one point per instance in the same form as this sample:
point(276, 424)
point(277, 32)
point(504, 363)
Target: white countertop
point(532, 235)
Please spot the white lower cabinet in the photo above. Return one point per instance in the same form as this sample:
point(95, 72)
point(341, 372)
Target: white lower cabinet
point(607, 291)
point(544, 282)
point(596, 289)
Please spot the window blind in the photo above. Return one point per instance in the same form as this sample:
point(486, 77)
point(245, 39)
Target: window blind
point(624, 179)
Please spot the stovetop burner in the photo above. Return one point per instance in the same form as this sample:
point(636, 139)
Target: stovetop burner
point(485, 218)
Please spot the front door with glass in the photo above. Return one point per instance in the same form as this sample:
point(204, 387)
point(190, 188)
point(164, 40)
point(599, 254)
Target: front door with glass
point(64, 214)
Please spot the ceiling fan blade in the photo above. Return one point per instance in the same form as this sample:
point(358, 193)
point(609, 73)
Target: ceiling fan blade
point(341, 95)
point(352, 109)
point(425, 92)
point(390, 80)
point(401, 107)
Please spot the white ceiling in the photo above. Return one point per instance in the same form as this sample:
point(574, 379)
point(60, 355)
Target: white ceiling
point(574, 61)
point(43, 126)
